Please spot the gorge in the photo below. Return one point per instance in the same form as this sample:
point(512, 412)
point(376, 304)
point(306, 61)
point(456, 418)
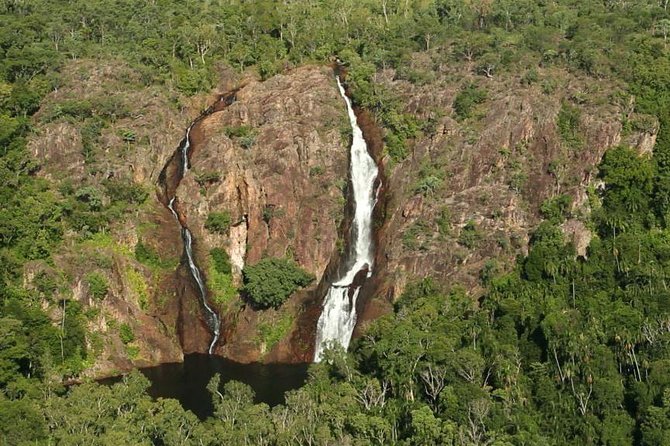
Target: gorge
point(491, 269)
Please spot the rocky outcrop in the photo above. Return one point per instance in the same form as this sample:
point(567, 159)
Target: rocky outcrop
point(276, 161)
point(280, 161)
point(490, 174)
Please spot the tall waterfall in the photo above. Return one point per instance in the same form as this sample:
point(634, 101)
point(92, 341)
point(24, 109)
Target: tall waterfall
point(338, 316)
point(212, 318)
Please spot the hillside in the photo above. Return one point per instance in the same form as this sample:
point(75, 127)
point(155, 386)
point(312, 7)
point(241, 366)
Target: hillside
point(518, 292)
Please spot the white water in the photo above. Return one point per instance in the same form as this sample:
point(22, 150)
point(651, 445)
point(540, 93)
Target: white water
point(184, 151)
point(338, 317)
point(212, 318)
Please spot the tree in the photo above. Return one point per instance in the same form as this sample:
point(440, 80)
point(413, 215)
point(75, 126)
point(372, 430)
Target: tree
point(271, 281)
point(218, 222)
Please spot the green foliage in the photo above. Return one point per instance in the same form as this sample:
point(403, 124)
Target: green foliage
point(414, 237)
point(274, 331)
point(221, 260)
point(316, 171)
point(556, 209)
point(126, 192)
point(22, 423)
point(443, 221)
point(244, 134)
point(629, 184)
point(271, 281)
point(139, 286)
point(469, 235)
point(218, 222)
point(97, 285)
point(90, 132)
point(126, 333)
point(191, 81)
point(148, 256)
point(431, 177)
point(569, 118)
point(208, 177)
point(466, 100)
point(271, 211)
point(90, 195)
point(219, 277)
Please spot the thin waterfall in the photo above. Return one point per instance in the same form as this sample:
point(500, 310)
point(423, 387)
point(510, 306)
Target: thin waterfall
point(184, 150)
point(338, 316)
point(213, 321)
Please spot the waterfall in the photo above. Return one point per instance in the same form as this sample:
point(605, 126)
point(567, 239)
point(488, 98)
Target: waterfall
point(212, 318)
point(184, 151)
point(338, 316)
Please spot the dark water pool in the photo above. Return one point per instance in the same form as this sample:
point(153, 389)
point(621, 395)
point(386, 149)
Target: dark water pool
point(187, 382)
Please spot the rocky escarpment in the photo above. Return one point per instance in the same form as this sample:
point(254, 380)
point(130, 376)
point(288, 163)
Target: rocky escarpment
point(460, 207)
point(101, 127)
point(276, 163)
point(463, 203)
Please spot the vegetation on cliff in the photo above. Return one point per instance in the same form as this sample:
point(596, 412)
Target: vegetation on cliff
point(271, 281)
point(562, 350)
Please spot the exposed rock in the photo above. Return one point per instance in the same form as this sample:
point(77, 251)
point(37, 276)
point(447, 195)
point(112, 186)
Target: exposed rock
point(276, 160)
point(281, 182)
point(576, 232)
point(497, 168)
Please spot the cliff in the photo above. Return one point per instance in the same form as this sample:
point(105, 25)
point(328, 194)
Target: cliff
point(275, 162)
point(463, 204)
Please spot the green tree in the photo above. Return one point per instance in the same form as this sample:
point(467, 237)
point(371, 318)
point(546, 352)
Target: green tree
point(218, 222)
point(271, 281)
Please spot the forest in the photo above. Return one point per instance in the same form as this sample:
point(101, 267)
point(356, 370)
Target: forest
point(560, 350)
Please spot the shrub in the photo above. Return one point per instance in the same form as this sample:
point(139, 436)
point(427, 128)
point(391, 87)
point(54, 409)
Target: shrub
point(218, 222)
point(126, 334)
point(469, 235)
point(207, 177)
point(444, 221)
point(271, 281)
point(146, 254)
point(466, 100)
point(91, 196)
point(568, 125)
point(139, 286)
point(274, 331)
point(221, 260)
point(245, 134)
point(125, 191)
point(192, 81)
point(97, 285)
point(271, 211)
point(556, 209)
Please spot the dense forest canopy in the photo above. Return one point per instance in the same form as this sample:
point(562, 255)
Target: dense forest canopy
point(564, 350)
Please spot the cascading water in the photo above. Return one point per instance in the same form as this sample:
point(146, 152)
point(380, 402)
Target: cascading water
point(338, 317)
point(212, 318)
point(184, 150)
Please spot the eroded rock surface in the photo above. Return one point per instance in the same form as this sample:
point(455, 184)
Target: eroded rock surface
point(276, 161)
point(282, 183)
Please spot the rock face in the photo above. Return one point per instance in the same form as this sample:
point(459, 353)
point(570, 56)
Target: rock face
point(490, 174)
point(275, 161)
point(79, 143)
point(280, 160)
